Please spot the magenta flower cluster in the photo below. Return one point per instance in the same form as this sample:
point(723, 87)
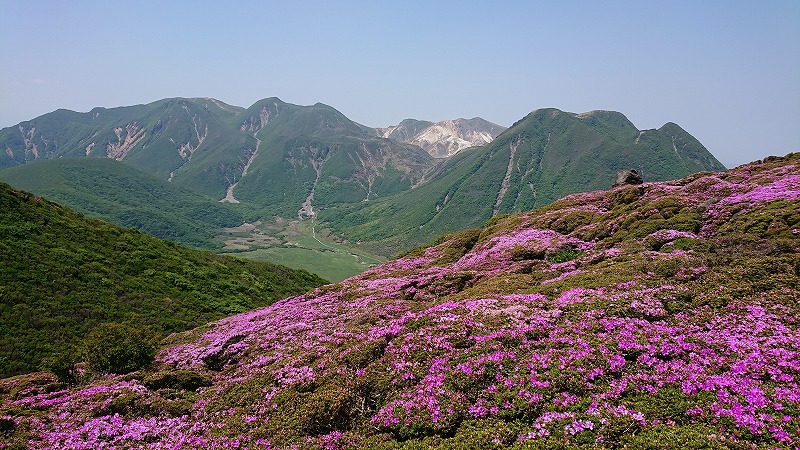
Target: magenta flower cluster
point(561, 347)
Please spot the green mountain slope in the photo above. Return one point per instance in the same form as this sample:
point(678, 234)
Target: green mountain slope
point(61, 274)
point(121, 194)
point(315, 157)
point(161, 138)
point(208, 146)
point(546, 155)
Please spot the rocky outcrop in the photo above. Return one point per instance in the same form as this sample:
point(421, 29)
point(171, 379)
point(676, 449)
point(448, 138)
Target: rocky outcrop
point(629, 176)
point(127, 138)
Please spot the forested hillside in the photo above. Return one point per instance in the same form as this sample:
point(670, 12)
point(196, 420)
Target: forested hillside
point(61, 274)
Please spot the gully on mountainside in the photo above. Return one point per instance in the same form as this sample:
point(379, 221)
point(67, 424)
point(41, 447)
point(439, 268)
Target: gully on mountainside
point(263, 120)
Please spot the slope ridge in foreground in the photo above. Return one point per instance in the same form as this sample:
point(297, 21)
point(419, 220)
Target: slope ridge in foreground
point(62, 274)
point(662, 315)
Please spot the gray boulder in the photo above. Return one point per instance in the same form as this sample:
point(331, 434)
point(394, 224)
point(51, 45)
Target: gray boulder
point(629, 176)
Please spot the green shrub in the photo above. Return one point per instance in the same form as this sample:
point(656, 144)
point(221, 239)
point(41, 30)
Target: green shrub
point(119, 347)
point(564, 255)
point(61, 364)
point(188, 380)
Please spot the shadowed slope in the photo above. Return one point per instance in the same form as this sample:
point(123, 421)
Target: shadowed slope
point(62, 274)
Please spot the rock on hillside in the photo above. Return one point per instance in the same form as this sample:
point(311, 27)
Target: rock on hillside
point(446, 138)
point(663, 314)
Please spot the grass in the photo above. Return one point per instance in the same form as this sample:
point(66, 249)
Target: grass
point(299, 245)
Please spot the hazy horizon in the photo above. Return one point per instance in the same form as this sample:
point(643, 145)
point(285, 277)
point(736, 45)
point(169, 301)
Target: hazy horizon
point(727, 72)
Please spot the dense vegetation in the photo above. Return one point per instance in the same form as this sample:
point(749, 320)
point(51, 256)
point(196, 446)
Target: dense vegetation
point(116, 348)
point(656, 316)
point(62, 274)
point(121, 194)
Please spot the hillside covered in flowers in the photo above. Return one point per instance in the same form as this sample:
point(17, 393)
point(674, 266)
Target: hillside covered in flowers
point(663, 315)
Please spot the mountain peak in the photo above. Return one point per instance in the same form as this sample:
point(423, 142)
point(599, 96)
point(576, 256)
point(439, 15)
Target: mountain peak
point(446, 138)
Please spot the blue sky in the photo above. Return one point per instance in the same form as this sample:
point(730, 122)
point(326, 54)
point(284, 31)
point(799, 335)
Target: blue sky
point(728, 72)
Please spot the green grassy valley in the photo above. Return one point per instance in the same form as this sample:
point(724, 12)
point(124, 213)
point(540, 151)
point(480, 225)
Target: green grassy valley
point(300, 244)
point(62, 274)
point(116, 192)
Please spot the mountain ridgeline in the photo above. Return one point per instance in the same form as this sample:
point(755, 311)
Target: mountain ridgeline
point(277, 155)
point(386, 188)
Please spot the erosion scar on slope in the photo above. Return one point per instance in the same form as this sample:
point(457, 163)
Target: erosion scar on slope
point(229, 198)
point(307, 209)
point(507, 179)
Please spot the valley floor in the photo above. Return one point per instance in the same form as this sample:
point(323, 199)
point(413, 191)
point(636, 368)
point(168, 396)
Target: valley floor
point(297, 244)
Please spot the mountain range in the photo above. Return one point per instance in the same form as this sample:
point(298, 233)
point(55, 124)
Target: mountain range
point(660, 315)
point(546, 155)
point(380, 188)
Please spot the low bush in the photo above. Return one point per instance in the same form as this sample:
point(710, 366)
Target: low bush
point(119, 348)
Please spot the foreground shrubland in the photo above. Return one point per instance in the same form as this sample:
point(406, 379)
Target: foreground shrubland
point(656, 316)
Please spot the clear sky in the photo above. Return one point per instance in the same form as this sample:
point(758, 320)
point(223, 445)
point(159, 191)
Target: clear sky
point(726, 71)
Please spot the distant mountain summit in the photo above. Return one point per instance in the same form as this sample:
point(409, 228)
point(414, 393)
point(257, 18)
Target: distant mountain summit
point(446, 138)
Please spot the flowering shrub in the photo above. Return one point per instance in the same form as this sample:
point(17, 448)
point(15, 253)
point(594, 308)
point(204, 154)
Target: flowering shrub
point(650, 318)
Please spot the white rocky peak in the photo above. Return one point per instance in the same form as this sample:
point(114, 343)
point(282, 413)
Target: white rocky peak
point(448, 137)
point(385, 132)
